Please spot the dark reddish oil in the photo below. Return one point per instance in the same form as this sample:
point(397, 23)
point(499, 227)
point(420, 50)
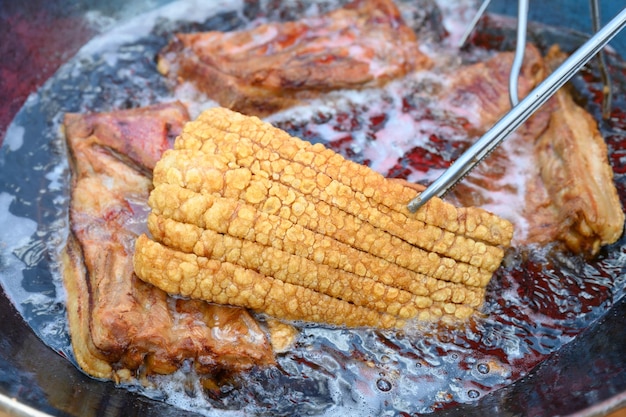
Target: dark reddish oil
point(35, 39)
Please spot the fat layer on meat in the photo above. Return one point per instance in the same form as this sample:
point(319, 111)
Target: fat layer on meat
point(273, 66)
point(567, 190)
point(119, 324)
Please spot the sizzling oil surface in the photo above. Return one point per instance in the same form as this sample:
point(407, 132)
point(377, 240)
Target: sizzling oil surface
point(539, 300)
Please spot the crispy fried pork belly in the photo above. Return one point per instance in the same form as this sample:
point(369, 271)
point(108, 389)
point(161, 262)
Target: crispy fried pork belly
point(480, 90)
point(244, 214)
point(120, 325)
point(567, 185)
point(573, 163)
point(273, 66)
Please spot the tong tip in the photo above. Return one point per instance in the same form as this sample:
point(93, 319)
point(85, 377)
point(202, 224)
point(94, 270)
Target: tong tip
point(415, 204)
point(422, 198)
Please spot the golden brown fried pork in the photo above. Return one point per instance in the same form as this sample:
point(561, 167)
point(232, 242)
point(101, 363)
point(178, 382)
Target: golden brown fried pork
point(120, 325)
point(573, 163)
point(273, 66)
point(482, 88)
point(244, 214)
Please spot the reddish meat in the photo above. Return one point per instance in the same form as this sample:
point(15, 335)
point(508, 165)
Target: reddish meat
point(120, 325)
point(567, 187)
point(273, 66)
point(482, 88)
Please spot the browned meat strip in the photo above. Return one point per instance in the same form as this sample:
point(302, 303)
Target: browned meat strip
point(272, 66)
point(567, 184)
point(573, 163)
point(118, 323)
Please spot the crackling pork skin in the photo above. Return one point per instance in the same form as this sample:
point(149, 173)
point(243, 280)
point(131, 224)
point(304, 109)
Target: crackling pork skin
point(244, 214)
point(273, 66)
point(122, 328)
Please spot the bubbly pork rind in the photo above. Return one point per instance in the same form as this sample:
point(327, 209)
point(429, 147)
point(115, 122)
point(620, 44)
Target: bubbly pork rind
point(244, 214)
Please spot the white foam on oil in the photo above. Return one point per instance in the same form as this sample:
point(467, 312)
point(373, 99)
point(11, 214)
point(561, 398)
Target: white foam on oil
point(511, 205)
point(99, 21)
point(195, 100)
point(14, 137)
point(457, 15)
point(183, 389)
point(57, 176)
point(15, 231)
point(26, 244)
point(142, 25)
point(15, 234)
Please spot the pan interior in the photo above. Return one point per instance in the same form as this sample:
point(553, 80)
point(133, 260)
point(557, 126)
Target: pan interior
point(537, 303)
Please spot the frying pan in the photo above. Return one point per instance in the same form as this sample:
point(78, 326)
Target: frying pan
point(585, 377)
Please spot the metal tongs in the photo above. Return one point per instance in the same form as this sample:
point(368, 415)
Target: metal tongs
point(521, 111)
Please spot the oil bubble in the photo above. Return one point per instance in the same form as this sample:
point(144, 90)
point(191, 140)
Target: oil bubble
point(383, 385)
point(483, 368)
point(473, 394)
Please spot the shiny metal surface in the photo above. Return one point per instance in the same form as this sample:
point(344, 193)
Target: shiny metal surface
point(14, 408)
point(470, 28)
point(520, 46)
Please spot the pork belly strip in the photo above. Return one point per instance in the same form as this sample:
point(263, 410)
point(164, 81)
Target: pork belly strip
point(273, 66)
point(574, 167)
point(118, 323)
point(480, 91)
point(567, 185)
